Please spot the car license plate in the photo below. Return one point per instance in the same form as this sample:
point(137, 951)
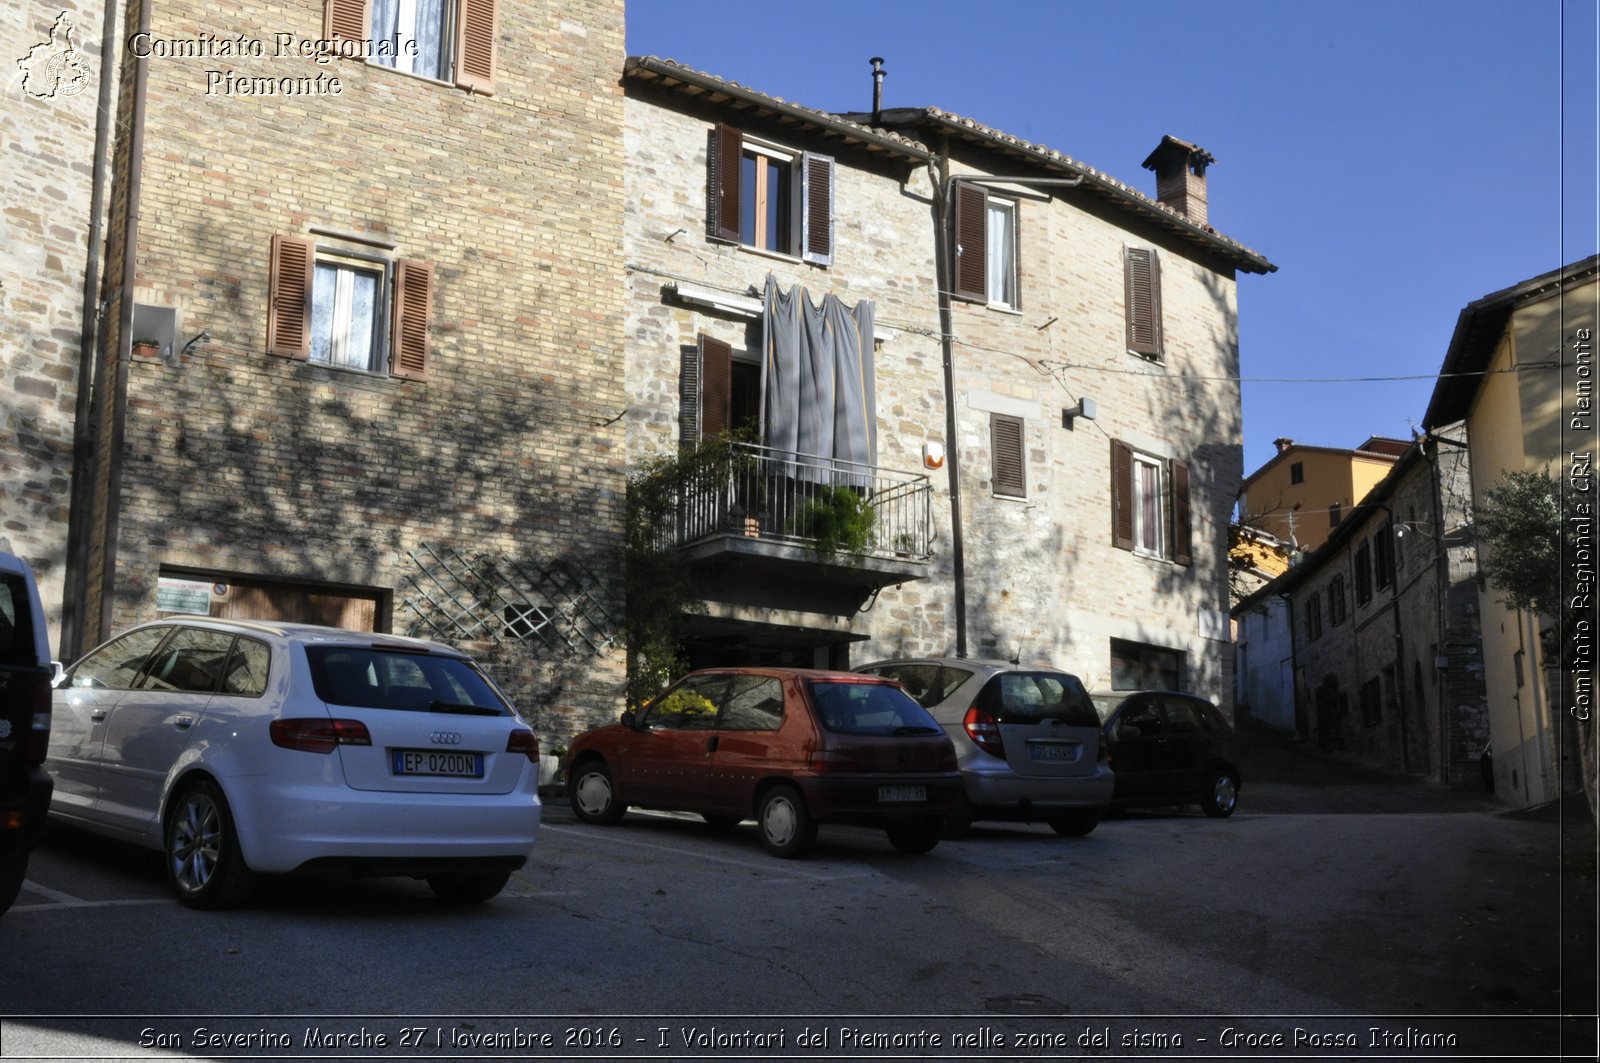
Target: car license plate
point(428, 762)
point(887, 794)
point(1053, 750)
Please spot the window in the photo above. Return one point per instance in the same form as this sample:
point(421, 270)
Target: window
point(347, 308)
point(1297, 473)
point(1335, 515)
point(771, 198)
point(1371, 699)
point(1142, 283)
point(755, 703)
point(1150, 505)
point(985, 246)
point(1314, 616)
point(1136, 666)
point(1363, 563)
point(1383, 556)
point(446, 40)
point(1010, 463)
point(117, 665)
point(1336, 603)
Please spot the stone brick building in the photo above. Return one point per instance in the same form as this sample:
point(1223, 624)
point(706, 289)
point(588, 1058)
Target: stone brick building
point(1386, 650)
point(1057, 389)
point(377, 264)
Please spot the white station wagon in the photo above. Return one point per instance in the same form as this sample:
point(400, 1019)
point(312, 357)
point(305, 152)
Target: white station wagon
point(244, 747)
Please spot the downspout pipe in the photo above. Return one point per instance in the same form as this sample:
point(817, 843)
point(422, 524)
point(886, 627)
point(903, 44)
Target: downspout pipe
point(946, 284)
point(80, 522)
point(130, 257)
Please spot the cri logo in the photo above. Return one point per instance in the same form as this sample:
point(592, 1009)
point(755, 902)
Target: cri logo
point(445, 738)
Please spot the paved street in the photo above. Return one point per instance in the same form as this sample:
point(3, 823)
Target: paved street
point(1337, 902)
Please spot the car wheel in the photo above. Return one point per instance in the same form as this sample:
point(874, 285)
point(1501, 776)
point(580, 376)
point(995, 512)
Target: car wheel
point(469, 888)
point(1076, 823)
point(13, 869)
point(785, 822)
point(204, 865)
point(592, 796)
point(719, 820)
point(1223, 795)
point(918, 836)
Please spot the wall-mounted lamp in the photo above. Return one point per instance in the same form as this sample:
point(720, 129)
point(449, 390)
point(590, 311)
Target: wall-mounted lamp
point(933, 455)
point(1085, 408)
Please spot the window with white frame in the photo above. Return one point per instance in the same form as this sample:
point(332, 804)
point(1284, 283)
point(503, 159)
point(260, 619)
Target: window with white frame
point(417, 31)
point(446, 40)
point(1150, 504)
point(347, 304)
point(985, 246)
point(1002, 252)
point(769, 197)
point(1149, 520)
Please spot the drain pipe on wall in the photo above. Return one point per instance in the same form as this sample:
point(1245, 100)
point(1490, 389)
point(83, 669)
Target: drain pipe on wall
point(80, 526)
point(119, 398)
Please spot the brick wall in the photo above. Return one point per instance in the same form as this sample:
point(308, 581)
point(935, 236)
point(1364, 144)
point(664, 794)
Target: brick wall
point(237, 461)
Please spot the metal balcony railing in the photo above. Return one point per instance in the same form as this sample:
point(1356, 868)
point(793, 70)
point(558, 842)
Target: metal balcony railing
point(789, 498)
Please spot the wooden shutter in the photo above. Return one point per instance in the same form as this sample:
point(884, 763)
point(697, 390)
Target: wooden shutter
point(1010, 464)
point(716, 387)
point(349, 20)
point(1182, 534)
point(971, 242)
point(689, 397)
point(413, 309)
point(1143, 286)
point(1122, 498)
point(816, 206)
point(475, 66)
point(727, 152)
point(289, 283)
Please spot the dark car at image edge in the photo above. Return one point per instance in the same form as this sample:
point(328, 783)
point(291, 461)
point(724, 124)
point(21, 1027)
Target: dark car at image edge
point(26, 673)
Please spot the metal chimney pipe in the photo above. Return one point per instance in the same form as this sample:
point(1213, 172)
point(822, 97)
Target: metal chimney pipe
point(877, 88)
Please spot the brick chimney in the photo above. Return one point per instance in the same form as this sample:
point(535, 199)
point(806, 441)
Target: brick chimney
point(1181, 177)
point(1283, 443)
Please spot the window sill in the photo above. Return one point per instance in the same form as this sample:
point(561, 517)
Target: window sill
point(1004, 308)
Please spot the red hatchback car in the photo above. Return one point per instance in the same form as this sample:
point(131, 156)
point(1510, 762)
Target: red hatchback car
point(791, 747)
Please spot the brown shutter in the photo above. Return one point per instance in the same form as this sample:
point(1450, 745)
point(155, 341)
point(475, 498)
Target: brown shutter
point(816, 177)
point(289, 296)
point(475, 46)
point(971, 242)
point(727, 151)
point(1121, 495)
point(689, 397)
point(716, 387)
point(1182, 532)
point(413, 309)
point(349, 20)
point(1010, 466)
point(1143, 288)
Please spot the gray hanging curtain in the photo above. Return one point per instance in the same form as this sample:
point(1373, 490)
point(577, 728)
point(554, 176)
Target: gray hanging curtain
point(818, 392)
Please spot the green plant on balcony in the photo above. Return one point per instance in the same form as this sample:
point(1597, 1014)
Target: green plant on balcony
point(839, 520)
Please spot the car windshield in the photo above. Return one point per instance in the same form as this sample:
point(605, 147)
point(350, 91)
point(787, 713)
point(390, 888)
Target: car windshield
point(362, 677)
point(869, 709)
point(1024, 697)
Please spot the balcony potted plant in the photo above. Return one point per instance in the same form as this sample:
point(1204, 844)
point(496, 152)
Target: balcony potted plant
point(839, 520)
point(146, 348)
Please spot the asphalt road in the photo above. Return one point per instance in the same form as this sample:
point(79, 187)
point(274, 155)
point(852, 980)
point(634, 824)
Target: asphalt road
point(1338, 902)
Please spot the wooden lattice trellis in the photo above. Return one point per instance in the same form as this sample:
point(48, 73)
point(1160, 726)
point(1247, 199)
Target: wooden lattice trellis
point(559, 605)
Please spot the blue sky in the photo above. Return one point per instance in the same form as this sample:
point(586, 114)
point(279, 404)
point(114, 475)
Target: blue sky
point(1395, 159)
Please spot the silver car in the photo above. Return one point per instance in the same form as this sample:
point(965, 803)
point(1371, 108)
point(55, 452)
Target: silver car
point(1027, 739)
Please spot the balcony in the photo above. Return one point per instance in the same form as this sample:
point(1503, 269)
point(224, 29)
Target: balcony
point(790, 531)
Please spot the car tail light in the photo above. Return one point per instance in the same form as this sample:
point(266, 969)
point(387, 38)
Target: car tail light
point(39, 732)
point(984, 732)
point(525, 742)
point(319, 736)
point(823, 760)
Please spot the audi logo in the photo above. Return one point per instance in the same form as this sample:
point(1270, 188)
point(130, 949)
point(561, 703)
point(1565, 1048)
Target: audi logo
point(445, 738)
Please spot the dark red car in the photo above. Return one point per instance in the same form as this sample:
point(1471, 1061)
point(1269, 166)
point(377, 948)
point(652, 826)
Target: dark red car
point(791, 747)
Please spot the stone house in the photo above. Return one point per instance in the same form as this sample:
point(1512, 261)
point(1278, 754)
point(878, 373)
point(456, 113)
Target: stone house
point(1384, 633)
point(1520, 372)
point(1026, 501)
point(377, 266)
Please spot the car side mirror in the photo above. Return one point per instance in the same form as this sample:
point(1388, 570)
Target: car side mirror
point(628, 718)
point(58, 674)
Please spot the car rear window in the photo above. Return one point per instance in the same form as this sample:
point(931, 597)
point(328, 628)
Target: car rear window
point(1028, 697)
point(869, 709)
point(929, 684)
point(16, 621)
point(371, 678)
